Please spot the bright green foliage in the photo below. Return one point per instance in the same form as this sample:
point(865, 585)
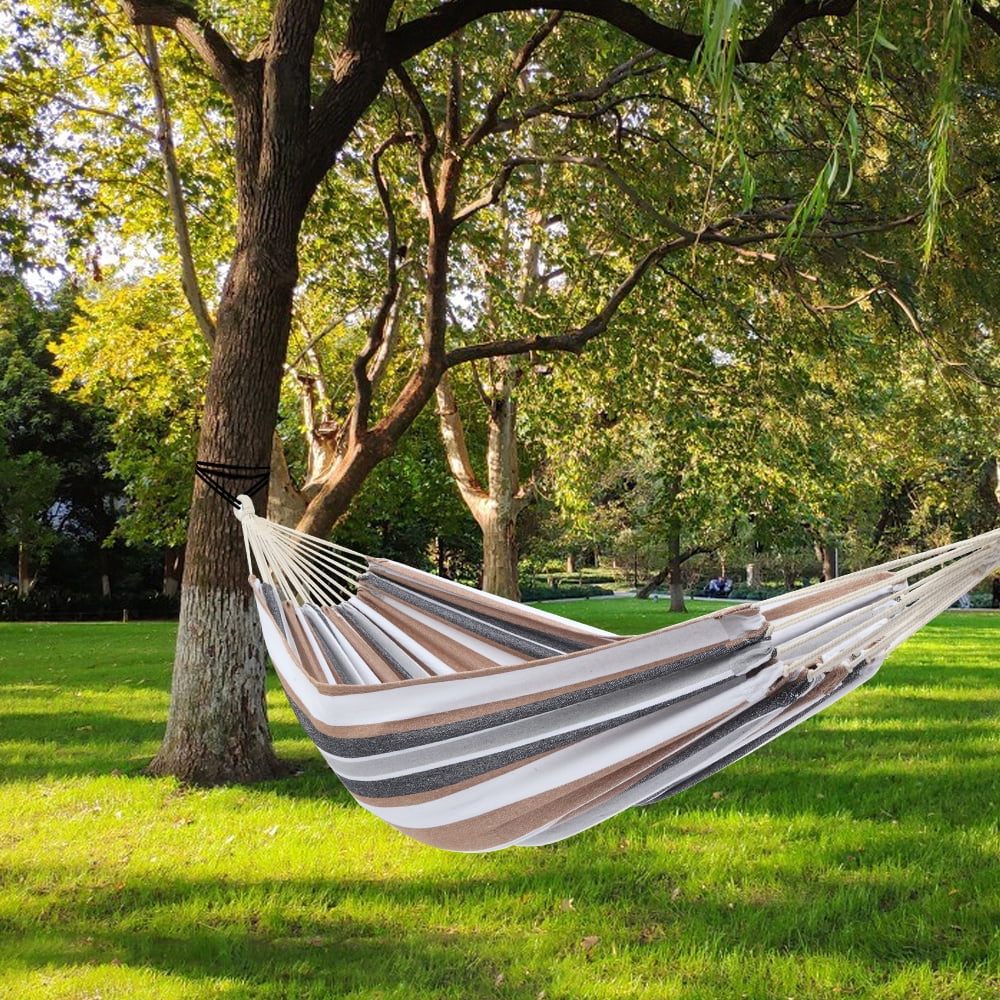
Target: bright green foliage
point(832, 136)
point(136, 352)
point(86, 185)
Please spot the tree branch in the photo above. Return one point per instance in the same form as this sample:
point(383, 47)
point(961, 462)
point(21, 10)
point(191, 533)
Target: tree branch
point(574, 340)
point(214, 50)
point(175, 194)
point(456, 447)
point(421, 33)
point(364, 382)
point(519, 62)
point(991, 20)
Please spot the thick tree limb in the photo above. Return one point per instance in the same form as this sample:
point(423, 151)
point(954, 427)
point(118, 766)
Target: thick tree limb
point(214, 50)
point(574, 341)
point(421, 33)
point(456, 447)
point(990, 19)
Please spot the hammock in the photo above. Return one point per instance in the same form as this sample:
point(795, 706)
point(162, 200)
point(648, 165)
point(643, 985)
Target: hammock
point(474, 723)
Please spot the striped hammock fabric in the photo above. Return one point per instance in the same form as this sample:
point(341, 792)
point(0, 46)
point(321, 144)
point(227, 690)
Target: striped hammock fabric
point(473, 723)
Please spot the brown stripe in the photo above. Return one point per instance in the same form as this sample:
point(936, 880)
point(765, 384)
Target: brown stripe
point(306, 658)
point(472, 601)
point(371, 657)
point(474, 711)
point(452, 652)
point(824, 595)
point(279, 628)
point(522, 818)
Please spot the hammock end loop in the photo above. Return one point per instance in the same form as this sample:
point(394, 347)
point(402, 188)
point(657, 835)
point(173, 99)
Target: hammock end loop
point(244, 508)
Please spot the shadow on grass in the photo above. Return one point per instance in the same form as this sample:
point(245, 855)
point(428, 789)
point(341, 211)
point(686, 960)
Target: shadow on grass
point(421, 937)
point(869, 766)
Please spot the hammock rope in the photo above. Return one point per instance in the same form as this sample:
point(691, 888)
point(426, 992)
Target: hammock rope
point(474, 723)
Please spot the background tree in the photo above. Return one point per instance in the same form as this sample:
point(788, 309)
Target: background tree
point(27, 491)
point(53, 447)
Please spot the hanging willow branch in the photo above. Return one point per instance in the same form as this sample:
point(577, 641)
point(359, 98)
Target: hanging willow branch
point(954, 37)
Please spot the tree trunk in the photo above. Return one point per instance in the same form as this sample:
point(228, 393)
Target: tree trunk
point(173, 569)
point(25, 576)
point(285, 504)
point(496, 506)
point(217, 726)
point(506, 498)
point(671, 571)
point(675, 564)
point(826, 555)
point(499, 527)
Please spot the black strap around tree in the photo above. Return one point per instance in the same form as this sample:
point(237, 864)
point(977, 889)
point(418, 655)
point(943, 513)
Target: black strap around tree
point(216, 474)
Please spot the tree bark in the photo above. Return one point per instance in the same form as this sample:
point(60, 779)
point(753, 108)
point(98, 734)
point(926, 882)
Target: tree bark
point(500, 551)
point(26, 577)
point(675, 564)
point(217, 725)
point(825, 555)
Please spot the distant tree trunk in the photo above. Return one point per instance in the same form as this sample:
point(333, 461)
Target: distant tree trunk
point(673, 570)
point(173, 570)
point(674, 566)
point(506, 501)
point(751, 570)
point(496, 506)
point(27, 577)
point(826, 554)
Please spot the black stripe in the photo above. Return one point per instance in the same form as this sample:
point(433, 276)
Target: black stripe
point(848, 684)
point(393, 742)
point(445, 775)
point(536, 643)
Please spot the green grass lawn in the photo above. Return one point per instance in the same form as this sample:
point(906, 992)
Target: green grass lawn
point(857, 856)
